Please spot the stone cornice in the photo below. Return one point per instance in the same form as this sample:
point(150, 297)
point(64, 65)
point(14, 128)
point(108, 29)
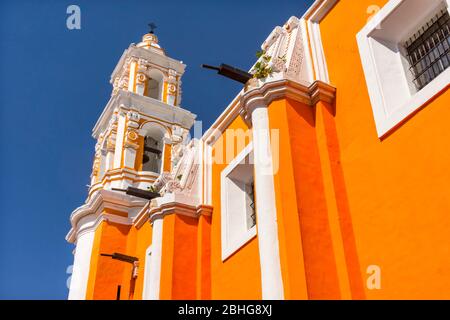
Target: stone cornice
point(263, 95)
point(142, 216)
point(269, 91)
point(125, 101)
point(122, 174)
point(103, 199)
point(321, 91)
point(142, 53)
point(179, 208)
point(152, 212)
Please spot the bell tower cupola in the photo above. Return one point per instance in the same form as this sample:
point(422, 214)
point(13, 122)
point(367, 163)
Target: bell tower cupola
point(143, 122)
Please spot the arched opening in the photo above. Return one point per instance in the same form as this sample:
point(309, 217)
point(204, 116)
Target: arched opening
point(152, 157)
point(155, 84)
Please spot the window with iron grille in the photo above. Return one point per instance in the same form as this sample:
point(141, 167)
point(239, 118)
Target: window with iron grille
point(238, 215)
point(428, 50)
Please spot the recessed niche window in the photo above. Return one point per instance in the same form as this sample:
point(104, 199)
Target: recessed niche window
point(428, 50)
point(238, 214)
point(152, 155)
point(404, 50)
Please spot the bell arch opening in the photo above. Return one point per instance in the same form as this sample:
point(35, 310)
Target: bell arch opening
point(155, 84)
point(152, 156)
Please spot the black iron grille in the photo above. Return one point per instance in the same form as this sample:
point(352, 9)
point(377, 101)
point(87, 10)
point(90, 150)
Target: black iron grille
point(429, 50)
point(252, 205)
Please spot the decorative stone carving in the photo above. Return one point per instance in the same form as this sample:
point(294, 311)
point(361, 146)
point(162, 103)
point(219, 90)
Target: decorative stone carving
point(133, 118)
point(123, 83)
point(166, 183)
point(172, 76)
point(131, 135)
point(297, 57)
point(177, 134)
point(111, 143)
point(162, 180)
point(131, 139)
point(177, 154)
point(276, 33)
point(96, 167)
point(141, 78)
point(143, 64)
point(292, 23)
point(113, 121)
point(278, 64)
point(172, 89)
point(171, 186)
point(115, 86)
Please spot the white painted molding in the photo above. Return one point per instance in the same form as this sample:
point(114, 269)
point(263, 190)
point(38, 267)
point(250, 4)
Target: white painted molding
point(319, 9)
point(134, 52)
point(171, 203)
point(318, 55)
point(207, 180)
point(142, 216)
point(176, 202)
point(95, 206)
point(393, 97)
point(148, 108)
point(139, 179)
point(313, 16)
point(266, 92)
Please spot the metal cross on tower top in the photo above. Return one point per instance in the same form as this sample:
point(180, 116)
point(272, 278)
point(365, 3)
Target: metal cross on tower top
point(152, 27)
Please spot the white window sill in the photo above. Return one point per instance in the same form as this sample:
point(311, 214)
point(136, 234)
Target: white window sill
point(231, 248)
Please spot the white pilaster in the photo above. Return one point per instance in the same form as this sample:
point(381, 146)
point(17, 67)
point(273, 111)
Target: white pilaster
point(81, 265)
point(119, 140)
point(109, 160)
point(154, 278)
point(129, 157)
point(271, 279)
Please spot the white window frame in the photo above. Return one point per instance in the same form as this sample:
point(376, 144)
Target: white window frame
point(229, 247)
point(393, 96)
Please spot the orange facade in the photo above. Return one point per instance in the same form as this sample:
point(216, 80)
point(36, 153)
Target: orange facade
point(348, 201)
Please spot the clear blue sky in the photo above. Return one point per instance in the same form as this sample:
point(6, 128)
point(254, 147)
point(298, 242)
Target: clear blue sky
point(54, 83)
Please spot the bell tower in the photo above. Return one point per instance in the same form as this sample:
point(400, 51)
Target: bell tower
point(139, 137)
point(143, 121)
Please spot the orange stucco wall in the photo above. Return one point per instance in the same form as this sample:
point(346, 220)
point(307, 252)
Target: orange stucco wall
point(178, 261)
point(228, 277)
point(105, 273)
point(143, 241)
point(393, 193)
